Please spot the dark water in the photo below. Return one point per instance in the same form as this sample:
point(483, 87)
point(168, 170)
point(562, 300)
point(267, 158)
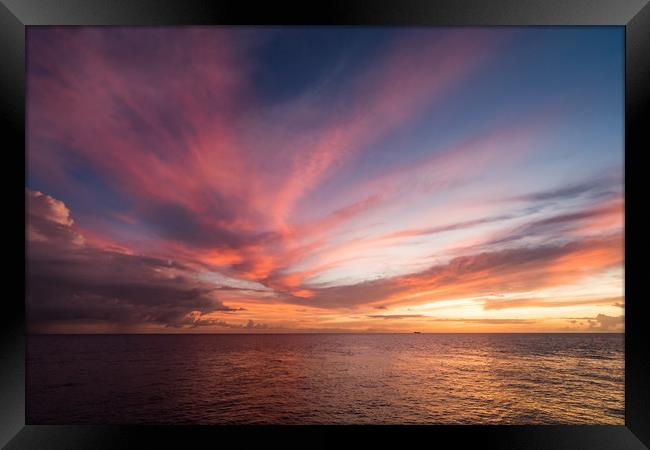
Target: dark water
point(326, 378)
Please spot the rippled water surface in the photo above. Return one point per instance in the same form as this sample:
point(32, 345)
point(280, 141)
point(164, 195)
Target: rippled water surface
point(326, 378)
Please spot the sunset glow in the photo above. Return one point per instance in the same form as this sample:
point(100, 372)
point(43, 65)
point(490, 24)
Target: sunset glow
point(263, 180)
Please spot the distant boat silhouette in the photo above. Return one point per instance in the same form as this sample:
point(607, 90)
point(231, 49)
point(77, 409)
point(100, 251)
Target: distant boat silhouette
point(416, 332)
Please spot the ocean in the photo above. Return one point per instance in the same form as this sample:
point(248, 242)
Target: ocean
point(326, 379)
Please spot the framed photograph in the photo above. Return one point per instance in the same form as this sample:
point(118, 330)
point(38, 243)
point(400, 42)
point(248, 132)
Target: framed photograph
point(404, 222)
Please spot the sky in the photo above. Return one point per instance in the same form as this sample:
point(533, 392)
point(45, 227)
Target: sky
point(324, 179)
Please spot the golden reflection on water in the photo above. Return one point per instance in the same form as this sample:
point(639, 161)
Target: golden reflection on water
point(393, 378)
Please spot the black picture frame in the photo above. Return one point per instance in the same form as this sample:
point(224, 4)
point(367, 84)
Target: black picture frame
point(634, 15)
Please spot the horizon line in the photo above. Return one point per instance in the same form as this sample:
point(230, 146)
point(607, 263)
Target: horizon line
point(324, 332)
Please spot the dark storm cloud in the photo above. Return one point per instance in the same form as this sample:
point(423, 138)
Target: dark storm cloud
point(49, 223)
point(71, 281)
